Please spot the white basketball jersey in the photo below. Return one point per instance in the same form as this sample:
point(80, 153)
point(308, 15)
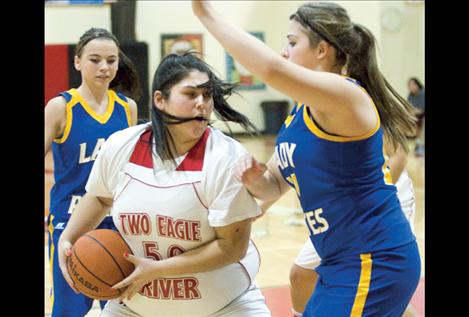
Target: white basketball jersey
point(406, 195)
point(162, 210)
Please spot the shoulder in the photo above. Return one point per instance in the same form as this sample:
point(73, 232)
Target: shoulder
point(118, 148)
point(128, 103)
point(124, 136)
point(58, 102)
point(222, 149)
point(56, 107)
point(132, 105)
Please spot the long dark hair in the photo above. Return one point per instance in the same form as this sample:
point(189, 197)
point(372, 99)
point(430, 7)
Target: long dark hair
point(171, 70)
point(126, 80)
point(356, 50)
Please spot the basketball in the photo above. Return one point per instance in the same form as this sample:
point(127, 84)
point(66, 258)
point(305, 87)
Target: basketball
point(97, 263)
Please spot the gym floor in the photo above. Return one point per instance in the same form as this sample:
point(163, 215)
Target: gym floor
point(280, 234)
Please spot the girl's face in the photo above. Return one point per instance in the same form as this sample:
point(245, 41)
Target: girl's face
point(188, 101)
point(98, 62)
point(298, 49)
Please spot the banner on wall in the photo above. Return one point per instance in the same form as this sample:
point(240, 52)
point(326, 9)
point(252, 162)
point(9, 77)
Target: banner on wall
point(180, 43)
point(236, 73)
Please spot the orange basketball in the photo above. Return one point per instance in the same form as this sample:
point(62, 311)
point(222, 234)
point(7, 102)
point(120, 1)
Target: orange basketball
point(97, 263)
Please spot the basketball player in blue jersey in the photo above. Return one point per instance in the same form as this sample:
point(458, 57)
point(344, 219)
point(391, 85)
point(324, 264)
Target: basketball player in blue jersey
point(77, 122)
point(330, 150)
point(302, 273)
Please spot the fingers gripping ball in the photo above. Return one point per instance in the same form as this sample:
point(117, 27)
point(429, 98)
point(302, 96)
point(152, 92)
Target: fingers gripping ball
point(97, 263)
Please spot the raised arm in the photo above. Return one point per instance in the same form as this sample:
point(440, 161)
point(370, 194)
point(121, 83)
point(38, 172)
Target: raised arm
point(325, 92)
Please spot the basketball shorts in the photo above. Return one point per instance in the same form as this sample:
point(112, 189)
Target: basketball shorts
point(379, 284)
point(64, 301)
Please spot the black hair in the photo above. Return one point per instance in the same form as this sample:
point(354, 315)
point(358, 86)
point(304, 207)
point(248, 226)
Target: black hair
point(171, 70)
point(417, 82)
point(126, 80)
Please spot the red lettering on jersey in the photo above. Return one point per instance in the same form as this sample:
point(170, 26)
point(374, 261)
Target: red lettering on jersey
point(147, 290)
point(174, 250)
point(178, 229)
point(195, 228)
point(122, 220)
point(135, 223)
point(178, 289)
point(181, 231)
point(170, 228)
point(161, 225)
point(165, 287)
point(190, 288)
point(184, 288)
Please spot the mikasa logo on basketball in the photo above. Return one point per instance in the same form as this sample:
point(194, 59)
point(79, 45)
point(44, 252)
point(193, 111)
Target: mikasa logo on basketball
point(80, 278)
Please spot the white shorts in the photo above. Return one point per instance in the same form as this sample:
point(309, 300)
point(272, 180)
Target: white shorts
point(250, 303)
point(309, 259)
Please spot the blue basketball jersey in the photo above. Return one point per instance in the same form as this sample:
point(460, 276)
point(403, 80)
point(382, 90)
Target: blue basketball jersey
point(344, 187)
point(75, 151)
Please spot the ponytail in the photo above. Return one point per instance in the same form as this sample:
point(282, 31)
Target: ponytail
point(396, 114)
point(126, 80)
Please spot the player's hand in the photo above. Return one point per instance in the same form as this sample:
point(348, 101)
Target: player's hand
point(248, 170)
point(64, 251)
point(143, 273)
point(201, 7)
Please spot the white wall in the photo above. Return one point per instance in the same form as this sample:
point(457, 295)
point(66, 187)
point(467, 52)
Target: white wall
point(403, 50)
point(401, 53)
point(65, 24)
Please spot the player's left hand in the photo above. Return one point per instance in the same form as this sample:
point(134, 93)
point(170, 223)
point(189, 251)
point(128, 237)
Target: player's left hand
point(143, 273)
point(248, 170)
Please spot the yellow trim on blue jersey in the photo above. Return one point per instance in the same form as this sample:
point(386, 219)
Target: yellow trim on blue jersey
point(100, 118)
point(51, 259)
point(290, 117)
point(387, 177)
point(125, 105)
point(363, 285)
point(69, 120)
point(319, 133)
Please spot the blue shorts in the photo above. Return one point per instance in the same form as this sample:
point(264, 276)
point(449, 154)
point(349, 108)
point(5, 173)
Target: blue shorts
point(64, 301)
point(379, 284)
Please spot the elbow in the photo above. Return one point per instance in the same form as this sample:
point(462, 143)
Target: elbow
point(238, 252)
point(272, 69)
point(241, 252)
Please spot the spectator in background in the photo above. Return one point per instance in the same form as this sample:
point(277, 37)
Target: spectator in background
point(417, 99)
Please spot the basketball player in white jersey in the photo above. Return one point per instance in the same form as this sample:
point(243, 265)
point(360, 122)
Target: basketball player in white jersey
point(174, 199)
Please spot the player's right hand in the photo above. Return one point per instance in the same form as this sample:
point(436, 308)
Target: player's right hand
point(64, 251)
point(248, 170)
